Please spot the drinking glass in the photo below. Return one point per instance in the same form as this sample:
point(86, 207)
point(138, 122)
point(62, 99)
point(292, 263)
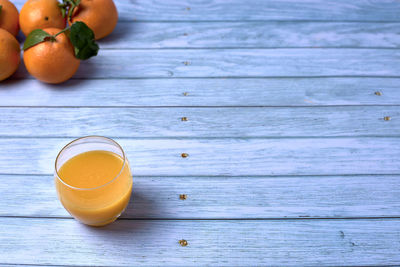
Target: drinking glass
point(103, 203)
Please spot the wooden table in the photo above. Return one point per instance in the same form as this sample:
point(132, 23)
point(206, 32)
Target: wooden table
point(288, 112)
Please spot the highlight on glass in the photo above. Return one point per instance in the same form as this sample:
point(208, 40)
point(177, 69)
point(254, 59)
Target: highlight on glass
point(93, 180)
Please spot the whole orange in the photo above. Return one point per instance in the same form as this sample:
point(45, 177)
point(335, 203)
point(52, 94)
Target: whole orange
point(100, 15)
point(40, 14)
point(9, 17)
point(52, 61)
point(9, 54)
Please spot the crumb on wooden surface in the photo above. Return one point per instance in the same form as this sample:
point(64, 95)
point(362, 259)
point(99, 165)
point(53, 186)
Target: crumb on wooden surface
point(183, 243)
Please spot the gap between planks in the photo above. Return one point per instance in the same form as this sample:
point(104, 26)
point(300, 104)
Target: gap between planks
point(194, 106)
point(233, 176)
point(219, 77)
point(203, 138)
point(258, 20)
point(248, 48)
point(59, 265)
point(300, 218)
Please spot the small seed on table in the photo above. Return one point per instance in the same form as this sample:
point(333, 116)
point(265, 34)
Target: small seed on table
point(183, 243)
point(184, 155)
point(184, 119)
point(378, 93)
point(185, 93)
point(182, 196)
point(386, 118)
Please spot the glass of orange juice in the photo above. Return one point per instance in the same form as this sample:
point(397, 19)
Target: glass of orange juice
point(93, 180)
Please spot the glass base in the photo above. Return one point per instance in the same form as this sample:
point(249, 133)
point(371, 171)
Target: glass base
point(103, 223)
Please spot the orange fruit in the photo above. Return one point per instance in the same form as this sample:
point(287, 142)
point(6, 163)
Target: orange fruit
point(40, 14)
point(100, 15)
point(9, 17)
point(9, 54)
point(52, 61)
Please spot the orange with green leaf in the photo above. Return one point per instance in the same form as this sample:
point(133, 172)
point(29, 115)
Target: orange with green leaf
point(100, 15)
point(52, 52)
point(53, 55)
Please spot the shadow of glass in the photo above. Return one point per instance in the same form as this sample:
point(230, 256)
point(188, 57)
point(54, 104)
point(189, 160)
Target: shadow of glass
point(134, 218)
point(140, 206)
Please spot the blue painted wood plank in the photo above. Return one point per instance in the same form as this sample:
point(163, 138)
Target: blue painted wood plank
point(201, 122)
point(220, 10)
point(203, 92)
point(222, 243)
point(246, 197)
point(222, 156)
point(216, 243)
point(199, 63)
point(252, 34)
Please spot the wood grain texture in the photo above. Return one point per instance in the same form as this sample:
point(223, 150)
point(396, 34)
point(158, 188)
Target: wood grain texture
point(200, 122)
point(220, 10)
point(217, 243)
point(131, 35)
point(223, 197)
point(203, 92)
point(289, 156)
point(252, 34)
point(170, 63)
point(281, 156)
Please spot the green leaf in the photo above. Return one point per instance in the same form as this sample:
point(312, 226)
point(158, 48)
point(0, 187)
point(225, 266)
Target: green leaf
point(35, 37)
point(82, 38)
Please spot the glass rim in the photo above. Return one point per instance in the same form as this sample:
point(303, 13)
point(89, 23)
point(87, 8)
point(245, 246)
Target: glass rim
point(88, 137)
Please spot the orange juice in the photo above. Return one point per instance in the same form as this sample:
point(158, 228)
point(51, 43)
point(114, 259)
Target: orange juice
point(94, 186)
